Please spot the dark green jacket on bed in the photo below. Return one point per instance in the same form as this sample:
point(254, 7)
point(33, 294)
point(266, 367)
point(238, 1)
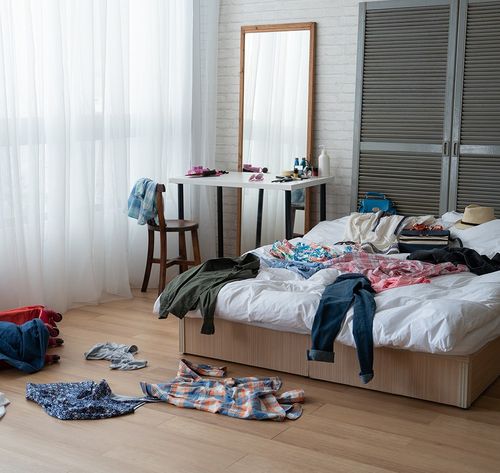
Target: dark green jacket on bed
point(198, 287)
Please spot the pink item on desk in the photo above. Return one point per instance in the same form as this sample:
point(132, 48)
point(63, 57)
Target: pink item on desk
point(256, 177)
point(249, 168)
point(200, 171)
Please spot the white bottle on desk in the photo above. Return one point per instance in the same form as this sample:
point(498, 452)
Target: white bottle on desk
point(323, 163)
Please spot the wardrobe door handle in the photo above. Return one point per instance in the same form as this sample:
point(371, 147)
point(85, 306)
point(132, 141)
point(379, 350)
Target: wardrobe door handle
point(455, 148)
point(445, 147)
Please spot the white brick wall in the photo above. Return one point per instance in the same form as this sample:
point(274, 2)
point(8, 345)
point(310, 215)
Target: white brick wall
point(336, 43)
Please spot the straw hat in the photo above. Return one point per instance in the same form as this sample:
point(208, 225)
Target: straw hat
point(475, 215)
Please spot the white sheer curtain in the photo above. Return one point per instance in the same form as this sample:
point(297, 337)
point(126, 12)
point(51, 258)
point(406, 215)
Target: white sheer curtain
point(275, 120)
point(93, 95)
point(172, 76)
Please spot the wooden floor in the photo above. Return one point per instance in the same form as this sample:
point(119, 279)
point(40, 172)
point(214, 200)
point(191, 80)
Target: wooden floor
point(343, 429)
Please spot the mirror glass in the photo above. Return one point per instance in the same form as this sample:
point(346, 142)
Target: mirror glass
point(275, 120)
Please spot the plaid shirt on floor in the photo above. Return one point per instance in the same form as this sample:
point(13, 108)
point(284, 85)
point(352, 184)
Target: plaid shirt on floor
point(246, 398)
point(385, 273)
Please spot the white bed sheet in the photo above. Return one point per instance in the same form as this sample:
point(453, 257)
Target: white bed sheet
point(453, 314)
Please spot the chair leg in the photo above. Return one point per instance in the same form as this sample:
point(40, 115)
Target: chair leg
point(149, 260)
point(163, 262)
point(182, 251)
point(196, 246)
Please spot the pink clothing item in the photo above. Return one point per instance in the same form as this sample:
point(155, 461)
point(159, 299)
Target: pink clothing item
point(385, 273)
point(256, 177)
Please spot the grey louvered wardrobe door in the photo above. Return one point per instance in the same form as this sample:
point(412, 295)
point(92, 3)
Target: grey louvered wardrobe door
point(475, 164)
point(406, 54)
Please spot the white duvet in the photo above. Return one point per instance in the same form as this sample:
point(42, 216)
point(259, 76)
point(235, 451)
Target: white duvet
point(454, 314)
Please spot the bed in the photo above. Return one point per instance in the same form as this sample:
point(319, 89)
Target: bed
point(438, 341)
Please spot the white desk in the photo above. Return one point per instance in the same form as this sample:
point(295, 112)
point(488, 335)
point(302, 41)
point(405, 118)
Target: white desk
point(240, 180)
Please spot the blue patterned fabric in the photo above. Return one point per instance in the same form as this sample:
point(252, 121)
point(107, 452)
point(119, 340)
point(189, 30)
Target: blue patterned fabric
point(305, 252)
point(142, 201)
point(303, 268)
point(81, 400)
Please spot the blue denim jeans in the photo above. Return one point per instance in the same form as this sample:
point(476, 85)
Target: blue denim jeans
point(335, 302)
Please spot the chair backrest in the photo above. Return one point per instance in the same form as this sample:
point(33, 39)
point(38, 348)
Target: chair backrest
point(160, 189)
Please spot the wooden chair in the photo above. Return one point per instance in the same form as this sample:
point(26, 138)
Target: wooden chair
point(169, 226)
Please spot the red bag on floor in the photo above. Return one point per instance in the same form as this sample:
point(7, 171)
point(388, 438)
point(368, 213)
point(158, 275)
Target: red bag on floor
point(49, 317)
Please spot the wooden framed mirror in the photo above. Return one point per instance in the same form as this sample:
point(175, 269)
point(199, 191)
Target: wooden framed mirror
point(275, 122)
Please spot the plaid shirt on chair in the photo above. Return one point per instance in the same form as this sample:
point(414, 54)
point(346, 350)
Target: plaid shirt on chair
point(142, 201)
point(246, 398)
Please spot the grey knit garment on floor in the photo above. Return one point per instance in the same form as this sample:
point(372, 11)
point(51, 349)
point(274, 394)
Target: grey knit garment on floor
point(3, 403)
point(121, 356)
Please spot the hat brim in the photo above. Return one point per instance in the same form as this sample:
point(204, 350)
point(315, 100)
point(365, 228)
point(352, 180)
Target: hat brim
point(463, 226)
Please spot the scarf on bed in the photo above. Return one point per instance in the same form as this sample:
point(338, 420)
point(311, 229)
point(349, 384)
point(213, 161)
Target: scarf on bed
point(305, 252)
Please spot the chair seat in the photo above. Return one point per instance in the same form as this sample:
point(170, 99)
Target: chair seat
point(176, 226)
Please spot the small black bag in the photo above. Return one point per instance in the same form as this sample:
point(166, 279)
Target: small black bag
point(413, 240)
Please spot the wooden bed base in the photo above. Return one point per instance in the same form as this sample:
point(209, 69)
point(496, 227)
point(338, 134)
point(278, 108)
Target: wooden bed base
point(447, 379)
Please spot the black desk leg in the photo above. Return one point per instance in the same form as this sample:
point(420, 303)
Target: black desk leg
point(180, 201)
point(322, 202)
point(220, 224)
point(288, 215)
point(258, 234)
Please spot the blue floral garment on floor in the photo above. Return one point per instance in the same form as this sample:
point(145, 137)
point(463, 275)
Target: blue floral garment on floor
point(81, 400)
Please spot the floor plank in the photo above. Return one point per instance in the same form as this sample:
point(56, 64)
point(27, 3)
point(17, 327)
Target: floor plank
point(343, 429)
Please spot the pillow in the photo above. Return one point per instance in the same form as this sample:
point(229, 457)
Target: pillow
point(449, 219)
point(327, 232)
point(484, 238)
